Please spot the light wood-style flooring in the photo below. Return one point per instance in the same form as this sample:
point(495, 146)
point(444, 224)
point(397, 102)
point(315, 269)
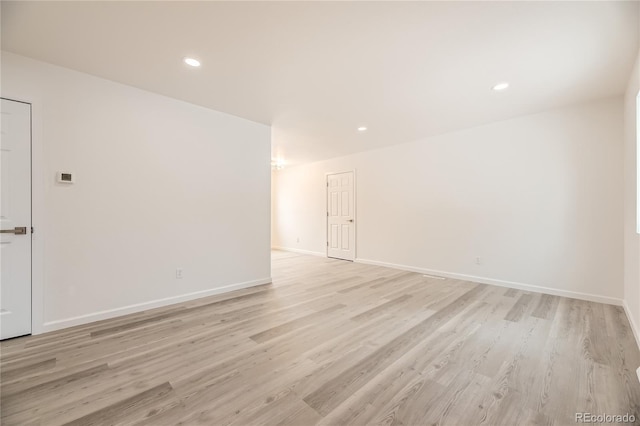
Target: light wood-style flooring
point(332, 343)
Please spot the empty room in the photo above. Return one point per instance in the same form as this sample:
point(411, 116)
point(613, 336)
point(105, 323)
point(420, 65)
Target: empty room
point(319, 213)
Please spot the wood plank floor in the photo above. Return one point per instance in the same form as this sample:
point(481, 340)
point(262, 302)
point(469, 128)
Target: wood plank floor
point(332, 343)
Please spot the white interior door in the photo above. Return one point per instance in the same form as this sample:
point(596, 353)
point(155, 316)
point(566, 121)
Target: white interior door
point(341, 235)
point(15, 219)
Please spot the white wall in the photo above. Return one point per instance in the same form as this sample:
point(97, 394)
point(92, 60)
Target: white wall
point(274, 203)
point(161, 184)
point(538, 198)
point(631, 238)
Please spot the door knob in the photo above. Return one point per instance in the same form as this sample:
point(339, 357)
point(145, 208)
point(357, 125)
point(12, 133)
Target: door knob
point(349, 220)
point(18, 230)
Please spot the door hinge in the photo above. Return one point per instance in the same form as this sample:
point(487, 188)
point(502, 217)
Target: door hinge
point(327, 243)
point(327, 184)
point(327, 213)
point(32, 230)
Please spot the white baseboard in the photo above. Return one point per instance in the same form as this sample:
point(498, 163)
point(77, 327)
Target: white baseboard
point(501, 283)
point(295, 250)
point(130, 309)
point(632, 322)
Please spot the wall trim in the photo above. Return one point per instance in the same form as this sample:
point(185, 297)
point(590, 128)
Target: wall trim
point(632, 322)
point(501, 283)
point(130, 309)
point(295, 250)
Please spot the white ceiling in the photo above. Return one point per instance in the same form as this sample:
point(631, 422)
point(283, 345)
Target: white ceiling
point(316, 71)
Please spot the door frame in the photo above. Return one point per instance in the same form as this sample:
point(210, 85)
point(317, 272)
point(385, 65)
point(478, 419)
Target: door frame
point(355, 213)
point(37, 208)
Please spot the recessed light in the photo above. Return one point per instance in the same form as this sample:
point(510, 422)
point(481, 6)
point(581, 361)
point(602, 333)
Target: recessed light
point(501, 86)
point(362, 129)
point(192, 62)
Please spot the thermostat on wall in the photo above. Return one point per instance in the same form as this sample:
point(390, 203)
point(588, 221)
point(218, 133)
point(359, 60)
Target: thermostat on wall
point(66, 177)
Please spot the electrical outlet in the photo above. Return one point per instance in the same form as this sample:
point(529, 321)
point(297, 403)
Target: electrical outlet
point(478, 261)
point(178, 273)
point(298, 240)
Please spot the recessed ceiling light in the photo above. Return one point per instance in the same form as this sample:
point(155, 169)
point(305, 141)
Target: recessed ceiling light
point(501, 86)
point(362, 129)
point(192, 62)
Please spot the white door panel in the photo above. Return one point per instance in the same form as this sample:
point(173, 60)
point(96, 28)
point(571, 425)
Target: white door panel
point(15, 213)
point(341, 236)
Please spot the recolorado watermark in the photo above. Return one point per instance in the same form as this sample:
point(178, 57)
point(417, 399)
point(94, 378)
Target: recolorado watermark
point(604, 418)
